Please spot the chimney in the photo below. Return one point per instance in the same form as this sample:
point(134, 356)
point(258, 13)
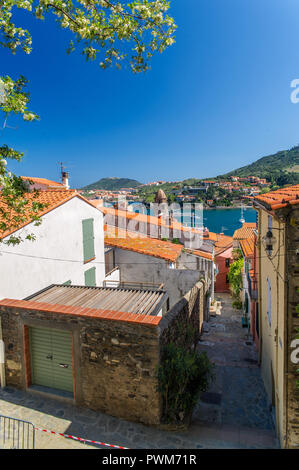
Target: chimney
point(65, 179)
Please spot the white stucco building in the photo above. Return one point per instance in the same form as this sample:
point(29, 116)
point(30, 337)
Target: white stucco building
point(151, 261)
point(69, 247)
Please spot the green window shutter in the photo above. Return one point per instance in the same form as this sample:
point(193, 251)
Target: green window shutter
point(88, 239)
point(90, 277)
point(67, 283)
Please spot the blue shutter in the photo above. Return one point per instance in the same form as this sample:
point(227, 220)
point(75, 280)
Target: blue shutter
point(269, 301)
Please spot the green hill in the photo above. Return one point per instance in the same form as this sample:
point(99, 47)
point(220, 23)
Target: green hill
point(113, 184)
point(280, 168)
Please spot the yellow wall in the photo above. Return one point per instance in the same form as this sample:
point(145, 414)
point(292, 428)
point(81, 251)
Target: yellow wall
point(272, 337)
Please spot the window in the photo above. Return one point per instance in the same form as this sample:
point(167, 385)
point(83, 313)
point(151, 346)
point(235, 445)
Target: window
point(227, 262)
point(269, 300)
point(88, 240)
point(109, 260)
point(270, 223)
point(90, 277)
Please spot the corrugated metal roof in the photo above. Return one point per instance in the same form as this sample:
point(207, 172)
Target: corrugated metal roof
point(138, 301)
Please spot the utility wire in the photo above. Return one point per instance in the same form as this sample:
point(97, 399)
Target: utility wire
point(124, 263)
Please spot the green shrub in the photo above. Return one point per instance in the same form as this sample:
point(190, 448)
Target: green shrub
point(182, 376)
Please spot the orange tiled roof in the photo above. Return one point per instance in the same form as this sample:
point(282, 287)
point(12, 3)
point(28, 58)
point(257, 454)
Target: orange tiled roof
point(148, 219)
point(221, 241)
point(202, 254)
point(144, 245)
point(246, 231)
point(46, 182)
point(81, 311)
point(279, 198)
point(49, 198)
point(247, 246)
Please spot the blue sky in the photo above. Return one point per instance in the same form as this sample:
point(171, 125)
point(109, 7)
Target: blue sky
point(216, 100)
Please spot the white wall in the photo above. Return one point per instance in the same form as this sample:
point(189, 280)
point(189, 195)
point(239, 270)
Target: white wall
point(113, 276)
point(139, 268)
point(59, 237)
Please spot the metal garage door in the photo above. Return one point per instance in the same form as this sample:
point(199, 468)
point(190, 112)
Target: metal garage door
point(51, 358)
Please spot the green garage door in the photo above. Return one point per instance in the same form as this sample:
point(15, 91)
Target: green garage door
point(51, 358)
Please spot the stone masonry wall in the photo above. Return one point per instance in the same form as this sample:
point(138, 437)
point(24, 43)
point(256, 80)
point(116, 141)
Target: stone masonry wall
point(292, 405)
point(114, 362)
point(188, 311)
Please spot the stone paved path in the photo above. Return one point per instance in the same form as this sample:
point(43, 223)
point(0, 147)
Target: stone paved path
point(233, 414)
point(237, 396)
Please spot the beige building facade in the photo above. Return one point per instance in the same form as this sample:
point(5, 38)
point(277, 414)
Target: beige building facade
point(278, 241)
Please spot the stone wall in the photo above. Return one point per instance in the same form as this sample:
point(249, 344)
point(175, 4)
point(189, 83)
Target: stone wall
point(292, 327)
point(188, 311)
point(114, 362)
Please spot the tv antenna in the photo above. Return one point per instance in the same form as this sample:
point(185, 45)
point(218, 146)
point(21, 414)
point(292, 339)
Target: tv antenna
point(63, 168)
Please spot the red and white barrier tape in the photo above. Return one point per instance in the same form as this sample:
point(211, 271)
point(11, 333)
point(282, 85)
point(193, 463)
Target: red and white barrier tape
point(80, 438)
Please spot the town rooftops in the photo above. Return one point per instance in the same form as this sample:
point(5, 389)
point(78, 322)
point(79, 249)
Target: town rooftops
point(201, 254)
point(280, 198)
point(107, 303)
point(247, 247)
point(246, 231)
point(50, 199)
point(43, 181)
point(144, 245)
point(221, 241)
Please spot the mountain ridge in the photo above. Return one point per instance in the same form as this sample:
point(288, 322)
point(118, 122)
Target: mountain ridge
point(279, 168)
point(112, 184)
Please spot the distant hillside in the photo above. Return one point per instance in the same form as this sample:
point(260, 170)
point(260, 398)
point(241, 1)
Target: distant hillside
point(113, 184)
point(280, 168)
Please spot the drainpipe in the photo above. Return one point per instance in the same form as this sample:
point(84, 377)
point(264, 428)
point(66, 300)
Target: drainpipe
point(2, 359)
point(213, 275)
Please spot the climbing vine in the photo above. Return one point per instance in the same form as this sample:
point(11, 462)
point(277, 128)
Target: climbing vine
point(236, 282)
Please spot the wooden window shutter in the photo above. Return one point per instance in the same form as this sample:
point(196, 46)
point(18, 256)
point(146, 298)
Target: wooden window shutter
point(88, 239)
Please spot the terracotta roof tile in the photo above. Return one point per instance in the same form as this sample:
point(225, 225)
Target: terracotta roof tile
point(202, 254)
point(144, 245)
point(280, 198)
point(221, 241)
point(245, 231)
point(247, 246)
point(46, 182)
point(82, 312)
point(50, 200)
